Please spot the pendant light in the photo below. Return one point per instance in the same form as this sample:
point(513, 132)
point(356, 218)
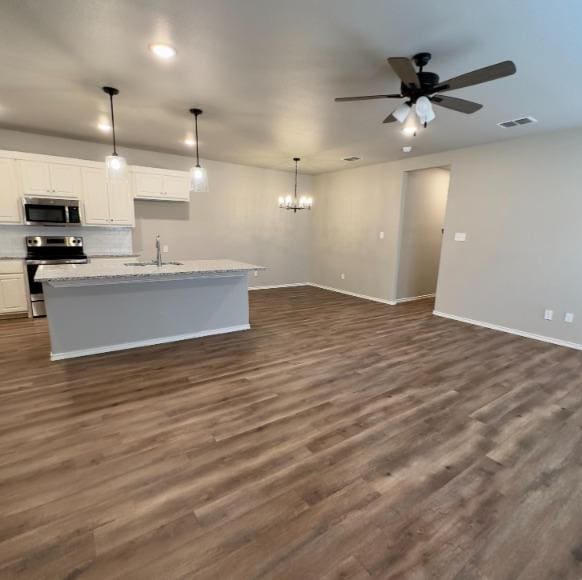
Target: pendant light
point(292, 202)
point(198, 175)
point(115, 166)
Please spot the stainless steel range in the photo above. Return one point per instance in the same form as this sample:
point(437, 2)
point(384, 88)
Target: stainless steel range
point(41, 250)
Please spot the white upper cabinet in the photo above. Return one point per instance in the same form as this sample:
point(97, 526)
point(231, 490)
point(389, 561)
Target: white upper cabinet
point(10, 202)
point(65, 180)
point(41, 178)
point(121, 211)
point(95, 199)
point(159, 184)
point(177, 187)
point(106, 204)
point(148, 185)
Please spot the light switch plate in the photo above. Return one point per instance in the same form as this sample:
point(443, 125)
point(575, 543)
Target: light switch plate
point(256, 273)
point(342, 276)
point(165, 249)
point(381, 235)
point(548, 315)
point(460, 237)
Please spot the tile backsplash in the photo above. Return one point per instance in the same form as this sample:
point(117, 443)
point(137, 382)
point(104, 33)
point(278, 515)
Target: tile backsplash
point(97, 241)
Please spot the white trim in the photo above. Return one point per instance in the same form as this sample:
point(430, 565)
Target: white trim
point(523, 333)
point(294, 284)
point(148, 342)
point(413, 298)
point(382, 300)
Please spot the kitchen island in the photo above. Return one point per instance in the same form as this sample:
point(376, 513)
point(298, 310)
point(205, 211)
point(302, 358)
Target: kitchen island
point(95, 308)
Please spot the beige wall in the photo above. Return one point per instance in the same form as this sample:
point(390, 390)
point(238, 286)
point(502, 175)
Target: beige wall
point(238, 219)
point(519, 202)
point(423, 218)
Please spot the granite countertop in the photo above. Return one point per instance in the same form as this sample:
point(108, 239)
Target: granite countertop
point(96, 272)
point(113, 256)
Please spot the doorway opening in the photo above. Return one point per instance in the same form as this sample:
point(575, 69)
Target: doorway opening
point(421, 232)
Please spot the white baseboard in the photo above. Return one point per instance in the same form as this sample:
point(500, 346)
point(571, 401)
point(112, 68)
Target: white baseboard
point(413, 298)
point(148, 342)
point(279, 286)
point(382, 300)
point(523, 333)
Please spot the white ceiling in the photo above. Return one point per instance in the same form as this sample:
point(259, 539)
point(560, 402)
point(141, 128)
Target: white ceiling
point(266, 72)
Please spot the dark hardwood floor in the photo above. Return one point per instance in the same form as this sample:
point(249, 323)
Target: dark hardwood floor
point(339, 438)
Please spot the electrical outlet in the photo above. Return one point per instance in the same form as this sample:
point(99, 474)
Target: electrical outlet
point(381, 235)
point(460, 237)
point(256, 273)
point(548, 315)
point(165, 249)
point(569, 317)
point(342, 276)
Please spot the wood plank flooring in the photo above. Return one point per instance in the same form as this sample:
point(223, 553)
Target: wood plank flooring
point(339, 438)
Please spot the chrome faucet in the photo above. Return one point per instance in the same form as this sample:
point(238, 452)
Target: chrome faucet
point(158, 252)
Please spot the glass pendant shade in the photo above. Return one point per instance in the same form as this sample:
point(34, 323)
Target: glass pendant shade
point(115, 168)
point(198, 179)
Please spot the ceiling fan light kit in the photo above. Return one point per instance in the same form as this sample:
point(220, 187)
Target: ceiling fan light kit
point(422, 89)
point(401, 112)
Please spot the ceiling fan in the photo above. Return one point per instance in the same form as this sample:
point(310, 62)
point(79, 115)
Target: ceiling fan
point(421, 89)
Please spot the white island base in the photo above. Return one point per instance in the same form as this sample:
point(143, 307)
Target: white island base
point(98, 314)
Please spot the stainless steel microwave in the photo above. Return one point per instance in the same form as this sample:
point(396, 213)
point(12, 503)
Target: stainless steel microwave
point(50, 211)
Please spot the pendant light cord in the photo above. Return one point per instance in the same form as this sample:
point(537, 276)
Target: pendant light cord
point(196, 129)
point(113, 124)
point(296, 179)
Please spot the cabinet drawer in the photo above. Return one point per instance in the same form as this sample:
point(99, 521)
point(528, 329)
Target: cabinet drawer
point(11, 267)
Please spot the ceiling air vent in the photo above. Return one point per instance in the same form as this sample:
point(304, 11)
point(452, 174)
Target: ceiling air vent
point(353, 158)
point(517, 122)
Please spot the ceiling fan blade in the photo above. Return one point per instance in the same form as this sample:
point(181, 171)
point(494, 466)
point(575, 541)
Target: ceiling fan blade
point(476, 77)
point(390, 119)
point(456, 104)
point(367, 98)
point(403, 67)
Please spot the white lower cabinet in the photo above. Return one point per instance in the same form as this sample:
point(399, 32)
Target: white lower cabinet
point(106, 204)
point(13, 299)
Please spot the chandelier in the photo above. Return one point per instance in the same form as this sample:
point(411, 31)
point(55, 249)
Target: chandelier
point(292, 201)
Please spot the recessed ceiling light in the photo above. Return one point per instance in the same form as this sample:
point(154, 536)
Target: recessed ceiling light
point(190, 142)
point(163, 51)
point(407, 149)
point(104, 127)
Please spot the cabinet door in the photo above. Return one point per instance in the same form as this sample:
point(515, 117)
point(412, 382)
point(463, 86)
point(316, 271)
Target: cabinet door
point(36, 178)
point(12, 294)
point(120, 203)
point(177, 187)
point(64, 180)
point(9, 198)
point(149, 185)
point(95, 198)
